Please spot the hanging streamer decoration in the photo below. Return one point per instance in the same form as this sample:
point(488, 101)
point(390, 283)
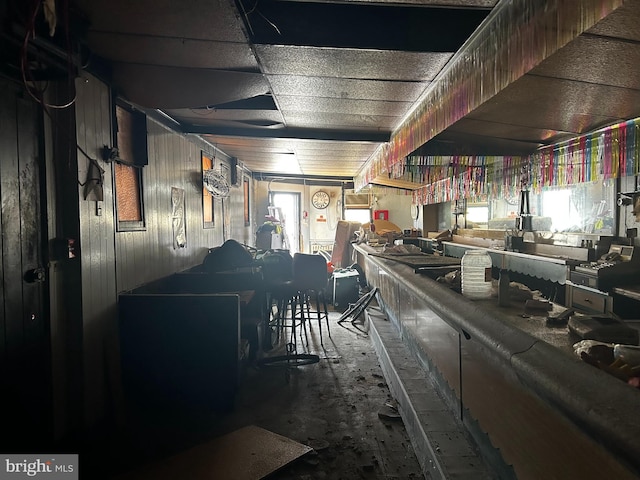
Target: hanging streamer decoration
point(520, 36)
point(608, 153)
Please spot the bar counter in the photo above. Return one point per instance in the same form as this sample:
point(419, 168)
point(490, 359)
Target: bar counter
point(533, 407)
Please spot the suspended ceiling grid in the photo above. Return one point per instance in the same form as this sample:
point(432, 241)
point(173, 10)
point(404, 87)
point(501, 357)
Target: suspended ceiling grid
point(313, 88)
point(307, 88)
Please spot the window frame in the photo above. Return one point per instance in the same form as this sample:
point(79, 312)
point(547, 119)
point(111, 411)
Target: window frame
point(140, 152)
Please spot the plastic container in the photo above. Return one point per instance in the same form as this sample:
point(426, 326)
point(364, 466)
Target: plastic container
point(476, 274)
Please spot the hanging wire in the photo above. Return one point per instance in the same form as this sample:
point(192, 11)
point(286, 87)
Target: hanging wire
point(27, 79)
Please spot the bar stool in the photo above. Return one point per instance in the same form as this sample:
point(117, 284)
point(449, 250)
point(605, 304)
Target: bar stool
point(284, 293)
point(310, 279)
point(278, 279)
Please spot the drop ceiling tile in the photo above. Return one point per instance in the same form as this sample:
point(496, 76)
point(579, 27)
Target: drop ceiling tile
point(266, 145)
point(464, 143)
point(331, 158)
point(556, 104)
point(350, 62)
point(504, 130)
point(345, 148)
point(197, 19)
point(338, 164)
point(276, 167)
point(338, 121)
point(155, 87)
point(596, 60)
point(621, 23)
point(176, 52)
point(278, 157)
point(345, 88)
point(347, 106)
point(209, 116)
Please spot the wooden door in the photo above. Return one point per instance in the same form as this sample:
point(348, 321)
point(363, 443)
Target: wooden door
point(25, 391)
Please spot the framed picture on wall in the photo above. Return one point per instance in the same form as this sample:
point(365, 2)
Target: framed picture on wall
point(208, 205)
point(178, 218)
point(247, 216)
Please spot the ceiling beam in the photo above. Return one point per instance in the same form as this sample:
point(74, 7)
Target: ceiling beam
point(297, 133)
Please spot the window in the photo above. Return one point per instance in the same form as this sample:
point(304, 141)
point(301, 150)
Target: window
point(362, 215)
point(131, 141)
point(584, 207)
point(578, 208)
point(477, 215)
point(207, 200)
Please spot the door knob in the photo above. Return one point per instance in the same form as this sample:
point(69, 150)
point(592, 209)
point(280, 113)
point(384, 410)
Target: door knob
point(35, 275)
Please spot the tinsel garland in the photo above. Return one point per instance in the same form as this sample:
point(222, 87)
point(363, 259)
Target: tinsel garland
point(609, 153)
point(516, 37)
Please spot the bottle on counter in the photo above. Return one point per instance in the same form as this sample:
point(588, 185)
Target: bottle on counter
point(476, 274)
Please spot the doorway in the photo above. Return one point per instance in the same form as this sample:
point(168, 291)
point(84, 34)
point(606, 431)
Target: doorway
point(289, 205)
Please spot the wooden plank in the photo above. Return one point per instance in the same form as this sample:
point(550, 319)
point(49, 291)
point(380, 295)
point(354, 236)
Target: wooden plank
point(95, 298)
point(106, 221)
point(29, 200)
point(36, 403)
point(11, 258)
point(7, 150)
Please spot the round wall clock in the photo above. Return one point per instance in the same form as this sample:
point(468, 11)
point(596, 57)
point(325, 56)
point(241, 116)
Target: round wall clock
point(320, 200)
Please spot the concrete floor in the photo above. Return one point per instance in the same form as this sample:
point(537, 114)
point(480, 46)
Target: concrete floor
point(340, 406)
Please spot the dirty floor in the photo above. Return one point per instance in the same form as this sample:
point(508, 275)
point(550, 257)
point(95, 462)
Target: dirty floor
point(340, 406)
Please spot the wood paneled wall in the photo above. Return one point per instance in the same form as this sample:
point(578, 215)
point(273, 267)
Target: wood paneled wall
point(96, 248)
point(146, 255)
point(112, 261)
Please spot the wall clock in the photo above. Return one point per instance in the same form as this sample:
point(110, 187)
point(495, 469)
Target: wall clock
point(320, 200)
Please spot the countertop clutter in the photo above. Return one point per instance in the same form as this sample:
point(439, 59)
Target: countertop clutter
point(514, 355)
point(562, 327)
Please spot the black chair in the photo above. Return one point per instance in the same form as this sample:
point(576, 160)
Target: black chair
point(283, 294)
point(310, 278)
point(277, 270)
